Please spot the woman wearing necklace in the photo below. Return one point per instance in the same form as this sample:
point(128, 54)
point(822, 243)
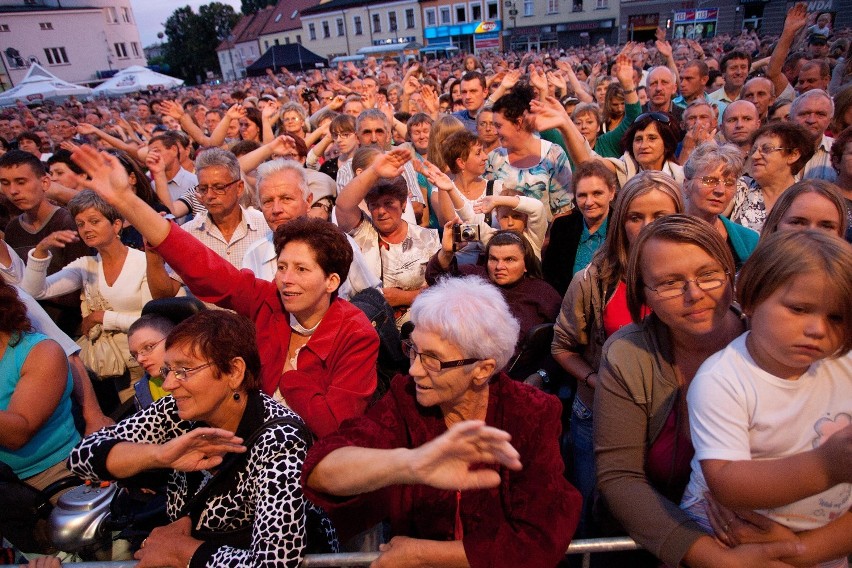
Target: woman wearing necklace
point(317, 351)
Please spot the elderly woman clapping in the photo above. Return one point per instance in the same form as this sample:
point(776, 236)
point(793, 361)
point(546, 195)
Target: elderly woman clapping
point(409, 458)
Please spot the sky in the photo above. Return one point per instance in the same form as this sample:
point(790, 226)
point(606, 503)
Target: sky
point(151, 14)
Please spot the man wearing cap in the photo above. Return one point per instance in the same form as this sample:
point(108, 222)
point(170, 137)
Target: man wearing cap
point(284, 195)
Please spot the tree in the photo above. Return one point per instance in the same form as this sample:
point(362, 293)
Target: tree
point(249, 7)
point(193, 38)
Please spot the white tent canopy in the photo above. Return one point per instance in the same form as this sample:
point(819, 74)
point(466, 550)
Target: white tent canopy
point(40, 84)
point(133, 79)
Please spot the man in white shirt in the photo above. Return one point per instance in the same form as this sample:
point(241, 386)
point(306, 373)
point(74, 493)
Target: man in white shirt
point(284, 195)
point(175, 178)
point(813, 110)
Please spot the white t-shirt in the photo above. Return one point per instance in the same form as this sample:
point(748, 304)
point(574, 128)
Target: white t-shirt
point(738, 411)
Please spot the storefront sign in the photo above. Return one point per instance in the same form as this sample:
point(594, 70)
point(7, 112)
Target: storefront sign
point(471, 28)
point(641, 22)
point(695, 24)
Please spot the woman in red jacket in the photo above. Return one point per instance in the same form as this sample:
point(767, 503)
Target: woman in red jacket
point(317, 351)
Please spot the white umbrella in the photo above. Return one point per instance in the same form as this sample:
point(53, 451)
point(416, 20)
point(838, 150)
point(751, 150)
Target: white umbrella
point(40, 84)
point(133, 79)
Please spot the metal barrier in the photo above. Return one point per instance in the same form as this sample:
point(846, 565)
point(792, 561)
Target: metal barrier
point(584, 547)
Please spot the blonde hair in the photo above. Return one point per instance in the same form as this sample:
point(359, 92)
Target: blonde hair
point(442, 128)
point(784, 255)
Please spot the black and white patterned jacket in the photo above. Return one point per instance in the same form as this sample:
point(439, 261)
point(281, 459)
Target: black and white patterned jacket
point(264, 491)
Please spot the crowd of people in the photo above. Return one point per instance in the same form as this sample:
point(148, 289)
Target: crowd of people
point(459, 311)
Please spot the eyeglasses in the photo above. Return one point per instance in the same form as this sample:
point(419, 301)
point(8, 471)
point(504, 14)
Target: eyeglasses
point(658, 116)
point(218, 189)
point(710, 181)
point(342, 135)
point(181, 373)
point(677, 286)
point(145, 350)
point(430, 362)
point(766, 149)
point(486, 124)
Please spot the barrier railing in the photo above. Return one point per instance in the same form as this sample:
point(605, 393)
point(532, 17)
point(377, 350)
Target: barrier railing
point(584, 547)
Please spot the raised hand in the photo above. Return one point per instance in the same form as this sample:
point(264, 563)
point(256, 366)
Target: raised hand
point(445, 462)
point(484, 204)
point(154, 161)
point(199, 449)
point(548, 115)
point(171, 108)
point(538, 80)
point(557, 81)
point(435, 176)
point(623, 69)
point(797, 18)
point(430, 100)
point(236, 112)
point(390, 164)
point(56, 239)
point(664, 47)
point(86, 129)
point(108, 177)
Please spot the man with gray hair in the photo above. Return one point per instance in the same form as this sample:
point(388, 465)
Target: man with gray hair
point(283, 193)
point(662, 86)
point(814, 109)
point(225, 227)
point(760, 91)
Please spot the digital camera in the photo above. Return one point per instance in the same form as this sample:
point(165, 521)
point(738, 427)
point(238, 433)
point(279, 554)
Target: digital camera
point(466, 233)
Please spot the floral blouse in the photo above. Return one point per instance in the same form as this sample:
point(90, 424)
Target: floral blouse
point(749, 207)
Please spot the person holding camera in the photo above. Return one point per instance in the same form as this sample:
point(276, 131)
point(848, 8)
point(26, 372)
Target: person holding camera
point(511, 266)
point(396, 251)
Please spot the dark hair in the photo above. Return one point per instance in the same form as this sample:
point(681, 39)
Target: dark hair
point(509, 238)
point(219, 337)
point(773, 108)
point(734, 54)
point(395, 187)
point(342, 124)
point(63, 156)
point(614, 92)
point(143, 188)
point(243, 147)
point(13, 313)
point(31, 136)
point(824, 189)
point(167, 138)
point(593, 169)
point(331, 249)
point(669, 132)
point(475, 76)
point(254, 115)
point(515, 102)
point(843, 139)
point(793, 137)
point(15, 158)
point(418, 118)
point(458, 145)
point(158, 323)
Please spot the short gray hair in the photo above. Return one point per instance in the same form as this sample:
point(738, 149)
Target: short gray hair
point(372, 114)
point(587, 108)
point(471, 314)
point(218, 157)
point(267, 169)
point(88, 199)
point(800, 100)
point(710, 155)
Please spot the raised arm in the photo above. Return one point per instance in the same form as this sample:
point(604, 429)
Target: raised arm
point(796, 20)
point(384, 166)
point(86, 129)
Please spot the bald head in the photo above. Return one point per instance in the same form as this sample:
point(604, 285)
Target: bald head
point(760, 91)
point(661, 88)
point(739, 121)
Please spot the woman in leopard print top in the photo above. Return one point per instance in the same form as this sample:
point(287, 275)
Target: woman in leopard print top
point(212, 367)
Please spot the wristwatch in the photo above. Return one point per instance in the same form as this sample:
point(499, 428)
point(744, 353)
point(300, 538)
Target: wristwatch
point(545, 378)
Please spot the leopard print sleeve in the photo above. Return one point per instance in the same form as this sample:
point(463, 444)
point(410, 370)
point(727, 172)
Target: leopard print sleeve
point(156, 424)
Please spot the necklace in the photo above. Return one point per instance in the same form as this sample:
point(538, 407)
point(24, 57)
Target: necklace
point(300, 329)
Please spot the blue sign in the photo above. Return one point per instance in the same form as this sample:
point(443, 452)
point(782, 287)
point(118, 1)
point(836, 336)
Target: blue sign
point(470, 28)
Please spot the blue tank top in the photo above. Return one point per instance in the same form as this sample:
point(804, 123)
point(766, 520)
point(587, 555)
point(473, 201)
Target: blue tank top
point(53, 442)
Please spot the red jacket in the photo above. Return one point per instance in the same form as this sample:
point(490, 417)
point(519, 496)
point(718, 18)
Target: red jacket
point(336, 374)
point(527, 521)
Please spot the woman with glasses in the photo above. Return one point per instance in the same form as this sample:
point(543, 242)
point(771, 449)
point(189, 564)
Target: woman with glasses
point(711, 175)
point(114, 282)
point(595, 307)
point(293, 120)
point(681, 270)
point(779, 151)
point(233, 494)
point(408, 460)
point(318, 351)
point(512, 266)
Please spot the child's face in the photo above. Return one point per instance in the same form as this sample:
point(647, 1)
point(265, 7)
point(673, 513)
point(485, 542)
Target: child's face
point(511, 220)
point(797, 325)
point(812, 211)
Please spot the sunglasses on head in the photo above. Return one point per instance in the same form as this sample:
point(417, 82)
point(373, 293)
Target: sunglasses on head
point(658, 116)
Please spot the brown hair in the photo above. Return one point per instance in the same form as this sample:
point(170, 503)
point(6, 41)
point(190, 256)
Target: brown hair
point(458, 146)
point(785, 201)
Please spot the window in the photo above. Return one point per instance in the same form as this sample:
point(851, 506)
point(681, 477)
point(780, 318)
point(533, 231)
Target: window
point(391, 21)
point(475, 12)
point(602, 5)
point(340, 30)
point(431, 19)
point(265, 44)
point(577, 6)
point(377, 23)
point(357, 23)
point(287, 40)
point(409, 18)
point(277, 41)
point(278, 17)
point(111, 15)
point(312, 31)
point(4, 27)
point(326, 32)
point(125, 15)
point(491, 10)
point(552, 6)
point(120, 50)
point(529, 8)
point(134, 47)
point(446, 15)
point(298, 38)
point(461, 13)
point(56, 55)
point(45, 26)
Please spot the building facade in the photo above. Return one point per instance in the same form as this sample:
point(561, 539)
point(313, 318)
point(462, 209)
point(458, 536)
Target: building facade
point(473, 26)
point(80, 41)
point(285, 24)
point(242, 47)
point(342, 27)
point(549, 24)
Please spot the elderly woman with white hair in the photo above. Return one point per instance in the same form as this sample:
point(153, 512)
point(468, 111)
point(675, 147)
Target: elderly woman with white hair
point(710, 181)
point(409, 459)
